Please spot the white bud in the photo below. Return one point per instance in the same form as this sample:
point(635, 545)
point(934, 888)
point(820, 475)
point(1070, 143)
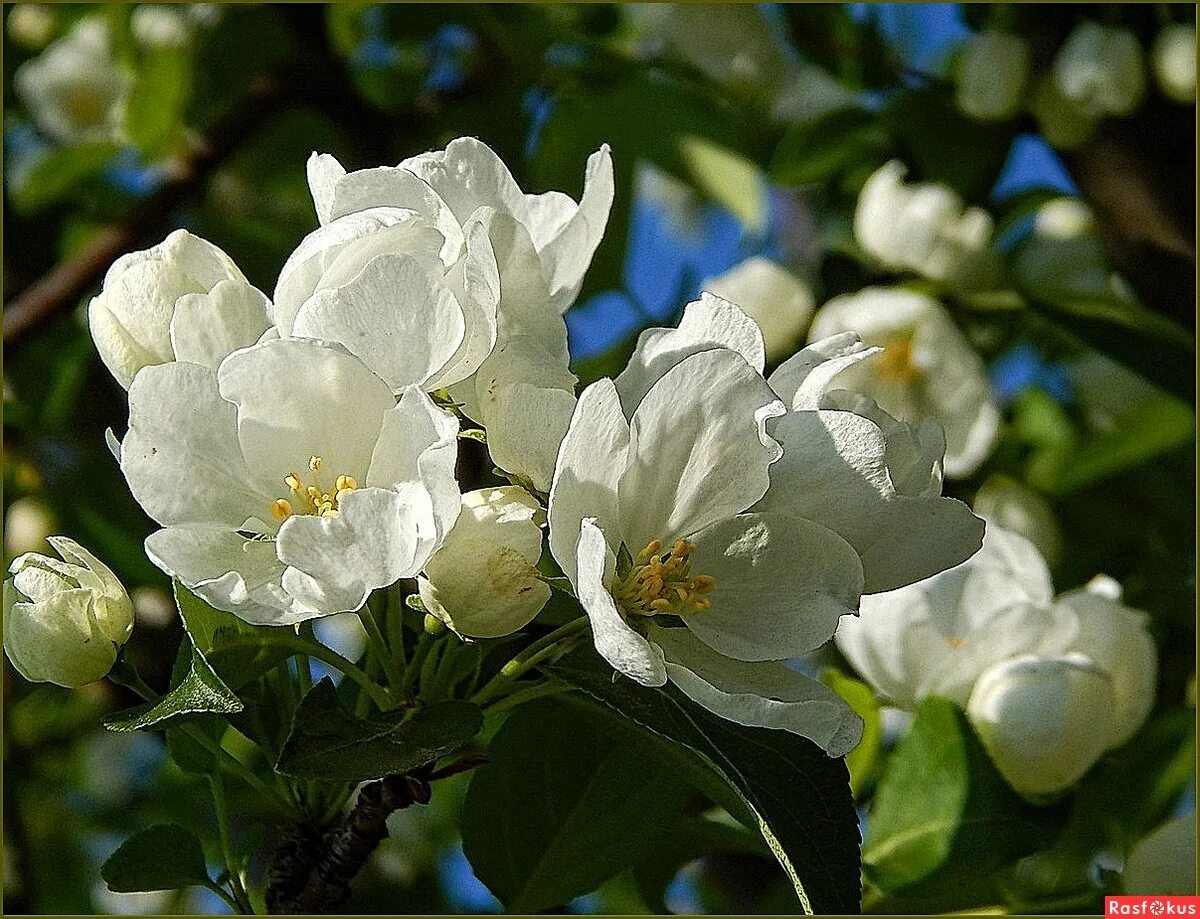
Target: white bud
point(1164, 863)
point(64, 620)
point(27, 525)
point(992, 73)
point(1174, 59)
point(483, 581)
point(157, 26)
point(773, 297)
point(31, 25)
point(1042, 719)
point(1100, 69)
point(1018, 508)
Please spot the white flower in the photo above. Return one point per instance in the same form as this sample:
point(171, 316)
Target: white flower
point(75, 89)
point(648, 520)
point(289, 482)
point(1041, 719)
point(1100, 70)
point(415, 305)
point(937, 636)
point(466, 176)
point(927, 368)
point(1048, 683)
point(483, 582)
point(1063, 122)
point(925, 228)
point(1006, 502)
point(64, 620)
point(157, 26)
point(1174, 58)
point(1164, 863)
point(991, 75)
point(183, 299)
point(773, 297)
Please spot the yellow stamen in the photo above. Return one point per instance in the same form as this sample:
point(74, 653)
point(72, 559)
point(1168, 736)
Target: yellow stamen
point(345, 483)
point(315, 463)
point(281, 509)
point(659, 583)
point(313, 499)
point(895, 364)
point(293, 482)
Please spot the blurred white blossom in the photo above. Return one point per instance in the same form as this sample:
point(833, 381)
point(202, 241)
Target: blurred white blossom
point(926, 229)
point(779, 302)
point(28, 523)
point(160, 25)
point(1174, 59)
point(991, 76)
point(927, 368)
point(65, 619)
point(1164, 863)
point(31, 25)
point(1100, 69)
point(1017, 507)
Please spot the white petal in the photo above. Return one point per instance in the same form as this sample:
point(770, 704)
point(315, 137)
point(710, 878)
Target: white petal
point(782, 584)
point(468, 175)
point(483, 581)
point(324, 173)
point(241, 576)
point(298, 398)
point(402, 323)
point(802, 379)
point(181, 457)
point(206, 328)
point(475, 280)
point(767, 695)
point(628, 651)
point(707, 323)
point(526, 427)
point(698, 449)
point(592, 458)
point(568, 255)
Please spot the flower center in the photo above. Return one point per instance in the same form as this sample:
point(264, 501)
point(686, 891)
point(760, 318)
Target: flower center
point(662, 582)
point(895, 365)
point(84, 106)
point(313, 498)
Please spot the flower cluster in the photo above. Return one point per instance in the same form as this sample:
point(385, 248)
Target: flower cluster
point(1049, 683)
point(299, 451)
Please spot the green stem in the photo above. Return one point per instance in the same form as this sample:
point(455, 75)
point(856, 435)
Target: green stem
point(394, 623)
point(413, 670)
point(224, 895)
point(235, 878)
point(367, 615)
point(531, 656)
point(521, 696)
point(298, 645)
point(303, 669)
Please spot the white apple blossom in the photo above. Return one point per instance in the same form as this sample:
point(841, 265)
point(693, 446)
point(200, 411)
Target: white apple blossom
point(1174, 59)
point(1007, 503)
point(483, 582)
point(1100, 69)
point(1048, 683)
point(289, 482)
point(991, 75)
point(927, 368)
point(648, 520)
point(183, 299)
point(75, 89)
point(65, 619)
point(780, 303)
point(925, 228)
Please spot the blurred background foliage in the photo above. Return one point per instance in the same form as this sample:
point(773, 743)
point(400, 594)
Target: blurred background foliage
point(730, 140)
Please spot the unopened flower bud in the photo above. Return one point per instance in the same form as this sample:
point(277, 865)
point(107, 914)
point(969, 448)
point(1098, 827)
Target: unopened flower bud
point(1174, 60)
point(992, 74)
point(65, 619)
point(1018, 508)
point(27, 525)
point(1100, 70)
point(31, 25)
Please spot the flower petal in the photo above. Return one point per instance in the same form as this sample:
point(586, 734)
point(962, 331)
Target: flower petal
point(628, 651)
point(782, 584)
point(767, 695)
point(475, 280)
point(298, 398)
point(181, 457)
point(206, 328)
point(568, 254)
point(526, 428)
point(393, 316)
point(707, 323)
point(324, 173)
point(592, 457)
point(802, 379)
point(698, 449)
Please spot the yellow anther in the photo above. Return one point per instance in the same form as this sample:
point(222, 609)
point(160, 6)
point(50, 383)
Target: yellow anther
point(281, 509)
point(661, 605)
point(315, 463)
point(895, 364)
point(313, 492)
point(956, 643)
point(703, 584)
point(652, 548)
point(345, 483)
point(329, 512)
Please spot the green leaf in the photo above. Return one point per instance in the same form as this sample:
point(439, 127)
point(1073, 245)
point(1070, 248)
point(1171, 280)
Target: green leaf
point(56, 174)
point(819, 150)
point(329, 744)
point(200, 692)
point(798, 797)
point(226, 641)
point(944, 819)
point(164, 857)
point(563, 805)
point(161, 89)
point(863, 760)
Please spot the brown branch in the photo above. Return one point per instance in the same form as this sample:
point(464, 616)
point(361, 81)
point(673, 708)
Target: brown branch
point(69, 280)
